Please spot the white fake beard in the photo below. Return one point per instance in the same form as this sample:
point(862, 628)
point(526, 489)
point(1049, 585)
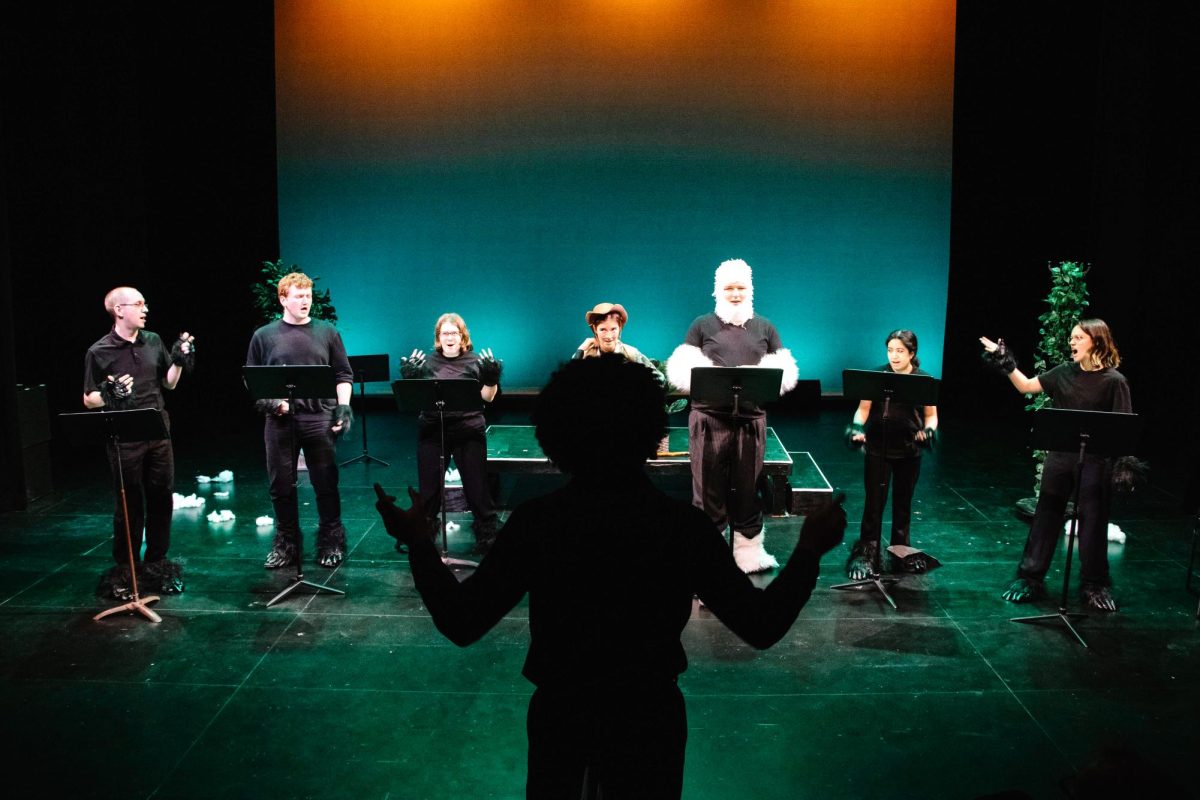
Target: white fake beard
point(739, 315)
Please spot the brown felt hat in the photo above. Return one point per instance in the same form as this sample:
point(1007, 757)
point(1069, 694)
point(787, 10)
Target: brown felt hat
point(602, 310)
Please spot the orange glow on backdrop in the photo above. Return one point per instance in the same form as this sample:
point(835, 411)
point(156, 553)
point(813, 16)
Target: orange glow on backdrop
point(428, 77)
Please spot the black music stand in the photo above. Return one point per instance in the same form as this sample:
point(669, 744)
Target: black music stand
point(1103, 433)
point(113, 427)
point(307, 382)
point(367, 369)
point(878, 386)
point(435, 396)
point(735, 390)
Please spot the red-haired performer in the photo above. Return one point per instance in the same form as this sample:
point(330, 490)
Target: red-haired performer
point(1088, 382)
point(128, 369)
point(299, 340)
point(731, 336)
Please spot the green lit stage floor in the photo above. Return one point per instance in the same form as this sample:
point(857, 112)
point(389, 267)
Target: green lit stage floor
point(796, 483)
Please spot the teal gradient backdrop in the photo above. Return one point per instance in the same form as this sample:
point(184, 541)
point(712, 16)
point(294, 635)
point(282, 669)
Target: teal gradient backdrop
point(845, 225)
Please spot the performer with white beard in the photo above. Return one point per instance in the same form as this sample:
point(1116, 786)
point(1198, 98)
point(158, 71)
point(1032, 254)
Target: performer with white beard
point(732, 336)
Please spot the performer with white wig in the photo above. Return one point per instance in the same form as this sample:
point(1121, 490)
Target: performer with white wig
point(731, 336)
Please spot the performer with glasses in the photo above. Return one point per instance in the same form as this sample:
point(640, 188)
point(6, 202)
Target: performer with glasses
point(128, 369)
point(454, 357)
point(1088, 382)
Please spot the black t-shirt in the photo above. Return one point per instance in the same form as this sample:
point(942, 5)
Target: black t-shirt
point(463, 366)
point(1072, 387)
point(146, 359)
point(904, 421)
point(728, 345)
point(317, 342)
point(602, 608)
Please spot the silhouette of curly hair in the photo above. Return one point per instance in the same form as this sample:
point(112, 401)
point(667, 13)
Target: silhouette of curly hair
point(600, 414)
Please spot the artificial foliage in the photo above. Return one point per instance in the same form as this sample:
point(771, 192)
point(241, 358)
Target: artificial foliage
point(266, 294)
point(1067, 301)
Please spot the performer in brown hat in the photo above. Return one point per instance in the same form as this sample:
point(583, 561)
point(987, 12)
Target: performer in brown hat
point(607, 320)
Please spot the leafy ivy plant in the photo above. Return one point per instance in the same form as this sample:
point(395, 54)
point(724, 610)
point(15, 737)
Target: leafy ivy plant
point(1067, 301)
point(266, 294)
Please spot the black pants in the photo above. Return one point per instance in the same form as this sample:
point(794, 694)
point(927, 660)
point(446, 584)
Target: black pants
point(313, 434)
point(878, 472)
point(149, 471)
point(1058, 481)
point(725, 486)
point(627, 741)
point(467, 444)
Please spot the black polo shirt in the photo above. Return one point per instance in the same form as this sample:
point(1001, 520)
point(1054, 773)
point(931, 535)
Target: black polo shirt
point(146, 358)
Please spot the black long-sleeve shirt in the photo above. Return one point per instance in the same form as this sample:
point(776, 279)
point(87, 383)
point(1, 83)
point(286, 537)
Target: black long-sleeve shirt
point(315, 343)
point(610, 575)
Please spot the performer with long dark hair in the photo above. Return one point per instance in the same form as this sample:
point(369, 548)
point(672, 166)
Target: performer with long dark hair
point(1089, 382)
point(731, 336)
point(454, 357)
point(893, 459)
point(128, 369)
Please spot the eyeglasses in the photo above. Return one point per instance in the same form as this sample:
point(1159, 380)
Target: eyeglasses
point(142, 304)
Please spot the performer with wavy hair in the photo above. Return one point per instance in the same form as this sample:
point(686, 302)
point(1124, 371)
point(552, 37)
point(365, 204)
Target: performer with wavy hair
point(454, 357)
point(1088, 382)
point(605, 615)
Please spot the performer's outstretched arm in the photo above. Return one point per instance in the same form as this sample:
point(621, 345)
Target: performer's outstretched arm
point(999, 355)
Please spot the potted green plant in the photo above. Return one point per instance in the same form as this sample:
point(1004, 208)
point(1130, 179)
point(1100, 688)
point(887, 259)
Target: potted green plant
point(1067, 301)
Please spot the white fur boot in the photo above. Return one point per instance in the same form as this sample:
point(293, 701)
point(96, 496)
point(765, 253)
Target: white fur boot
point(751, 554)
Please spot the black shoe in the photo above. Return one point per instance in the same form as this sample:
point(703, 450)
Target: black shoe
point(485, 535)
point(280, 556)
point(1098, 597)
point(330, 557)
point(863, 561)
point(1024, 590)
point(914, 563)
point(331, 546)
point(116, 583)
point(165, 577)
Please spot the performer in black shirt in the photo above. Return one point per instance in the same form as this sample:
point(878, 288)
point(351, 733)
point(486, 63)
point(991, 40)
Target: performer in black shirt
point(605, 616)
point(128, 369)
point(732, 336)
point(454, 357)
point(297, 340)
point(896, 460)
point(1090, 382)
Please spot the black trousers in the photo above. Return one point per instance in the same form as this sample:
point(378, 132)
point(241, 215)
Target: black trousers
point(878, 473)
point(149, 471)
point(627, 742)
point(466, 443)
point(313, 434)
point(1046, 531)
point(725, 485)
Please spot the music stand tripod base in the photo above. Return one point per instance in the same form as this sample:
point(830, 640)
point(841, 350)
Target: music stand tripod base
point(1063, 615)
point(296, 583)
point(875, 580)
point(138, 605)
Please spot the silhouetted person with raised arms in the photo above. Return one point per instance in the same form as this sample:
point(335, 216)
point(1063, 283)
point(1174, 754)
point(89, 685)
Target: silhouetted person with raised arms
point(605, 614)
